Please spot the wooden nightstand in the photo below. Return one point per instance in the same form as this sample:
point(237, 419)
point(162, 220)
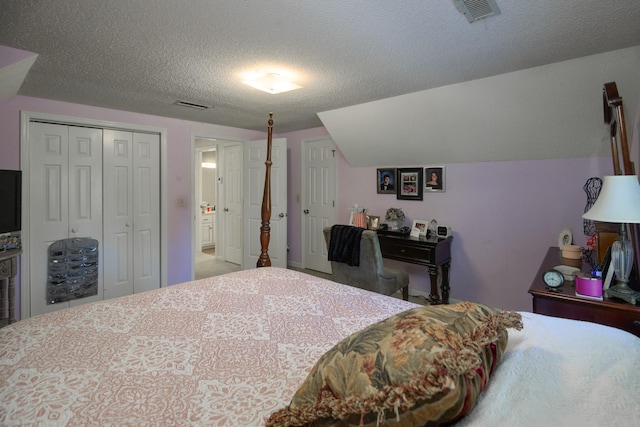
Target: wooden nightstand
point(611, 312)
point(8, 271)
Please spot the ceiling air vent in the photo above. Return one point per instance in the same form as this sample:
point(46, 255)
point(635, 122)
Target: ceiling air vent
point(192, 105)
point(475, 10)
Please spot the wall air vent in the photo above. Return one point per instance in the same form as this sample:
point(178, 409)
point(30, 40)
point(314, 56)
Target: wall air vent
point(192, 105)
point(475, 10)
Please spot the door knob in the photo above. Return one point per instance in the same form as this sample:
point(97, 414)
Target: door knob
point(226, 209)
point(306, 211)
point(74, 230)
point(281, 215)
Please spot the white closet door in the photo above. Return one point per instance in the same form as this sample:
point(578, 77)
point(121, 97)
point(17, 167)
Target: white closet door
point(64, 198)
point(131, 212)
point(146, 212)
point(85, 193)
point(118, 213)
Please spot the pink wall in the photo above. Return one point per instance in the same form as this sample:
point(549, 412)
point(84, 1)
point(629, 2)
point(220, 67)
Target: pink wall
point(504, 216)
point(178, 160)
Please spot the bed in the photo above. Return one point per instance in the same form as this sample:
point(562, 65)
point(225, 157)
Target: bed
point(237, 349)
point(232, 349)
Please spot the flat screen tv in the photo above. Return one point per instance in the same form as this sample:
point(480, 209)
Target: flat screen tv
point(10, 201)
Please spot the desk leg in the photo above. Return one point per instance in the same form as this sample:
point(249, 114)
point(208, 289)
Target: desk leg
point(434, 296)
point(445, 283)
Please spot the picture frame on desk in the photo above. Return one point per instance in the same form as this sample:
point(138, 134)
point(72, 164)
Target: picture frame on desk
point(607, 270)
point(419, 227)
point(373, 221)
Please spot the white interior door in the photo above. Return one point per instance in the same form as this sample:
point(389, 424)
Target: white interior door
point(118, 213)
point(319, 195)
point(233, 197)
point(255, 156)
point(146, 212)
point(131, 212)
point(65, 200)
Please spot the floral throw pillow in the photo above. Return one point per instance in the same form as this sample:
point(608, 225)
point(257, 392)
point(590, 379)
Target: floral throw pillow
point(424, 366)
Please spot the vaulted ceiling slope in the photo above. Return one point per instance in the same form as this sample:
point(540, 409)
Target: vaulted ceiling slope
point(144, 55)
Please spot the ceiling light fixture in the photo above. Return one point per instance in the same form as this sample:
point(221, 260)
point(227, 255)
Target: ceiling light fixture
point(271, 83)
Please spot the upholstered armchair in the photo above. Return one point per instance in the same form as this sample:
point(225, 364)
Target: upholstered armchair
point(371, 274)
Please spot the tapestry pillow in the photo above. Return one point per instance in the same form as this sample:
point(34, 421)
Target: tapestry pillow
point(424, 366)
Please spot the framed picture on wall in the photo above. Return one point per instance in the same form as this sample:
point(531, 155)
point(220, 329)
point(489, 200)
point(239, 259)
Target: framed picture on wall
point(434, 179)
point(386, 181)
point(409, 184)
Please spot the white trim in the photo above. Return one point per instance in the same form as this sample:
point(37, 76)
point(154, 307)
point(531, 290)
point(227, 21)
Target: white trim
point(303, 169)
point(220, 143)
point(294, 264)
point(28, 116)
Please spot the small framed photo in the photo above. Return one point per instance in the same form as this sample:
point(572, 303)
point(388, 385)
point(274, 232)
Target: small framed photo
point(373, 222)
point(434, 179)
point(409, 184)
point(386, 181)
point(421, 226)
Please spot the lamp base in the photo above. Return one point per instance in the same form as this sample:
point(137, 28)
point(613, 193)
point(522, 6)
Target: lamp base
point(624, 293)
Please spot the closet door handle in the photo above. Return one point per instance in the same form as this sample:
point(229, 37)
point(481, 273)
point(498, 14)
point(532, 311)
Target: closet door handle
point(306, 211)
point(226, 209)
point(74, 230)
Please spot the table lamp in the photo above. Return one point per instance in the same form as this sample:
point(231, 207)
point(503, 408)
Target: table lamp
point(619, 202)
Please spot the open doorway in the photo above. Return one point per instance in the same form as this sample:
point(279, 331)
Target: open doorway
point(209, 208)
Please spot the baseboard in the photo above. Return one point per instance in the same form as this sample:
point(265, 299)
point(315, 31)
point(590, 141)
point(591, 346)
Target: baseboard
point(295, 264)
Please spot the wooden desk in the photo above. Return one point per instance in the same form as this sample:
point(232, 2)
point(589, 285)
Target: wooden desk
point(610, 312)
point(8, 271)
point(435, 254)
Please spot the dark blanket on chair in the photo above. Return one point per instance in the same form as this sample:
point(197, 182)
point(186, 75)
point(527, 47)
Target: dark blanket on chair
point(344, 245)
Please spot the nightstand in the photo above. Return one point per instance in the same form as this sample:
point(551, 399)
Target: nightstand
point(565, 303)
point(8, 271)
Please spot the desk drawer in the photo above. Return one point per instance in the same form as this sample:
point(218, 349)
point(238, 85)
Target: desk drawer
point(402, 251)
point(590, 311)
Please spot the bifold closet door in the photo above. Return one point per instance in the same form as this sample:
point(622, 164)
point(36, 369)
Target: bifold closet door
point(65, 200)
point(131, 173)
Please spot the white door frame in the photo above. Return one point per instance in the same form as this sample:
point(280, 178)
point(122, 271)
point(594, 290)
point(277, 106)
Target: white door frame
point(220, 142)
point(25, 118)
point(303, 162)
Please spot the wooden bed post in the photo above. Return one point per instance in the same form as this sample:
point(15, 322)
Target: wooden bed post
point(265, 229)
point(612, 100)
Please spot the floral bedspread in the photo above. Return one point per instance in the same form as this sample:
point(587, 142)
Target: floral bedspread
point(223, 351)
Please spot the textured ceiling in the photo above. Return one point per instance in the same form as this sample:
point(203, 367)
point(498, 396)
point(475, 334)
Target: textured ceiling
point(144, 55)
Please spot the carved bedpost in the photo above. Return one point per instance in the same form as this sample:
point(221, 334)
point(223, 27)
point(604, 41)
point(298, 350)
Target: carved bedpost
point(265, 228)
point(612, 100)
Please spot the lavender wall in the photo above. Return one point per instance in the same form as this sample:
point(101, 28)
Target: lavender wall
point(504, 216)
point(179, 134)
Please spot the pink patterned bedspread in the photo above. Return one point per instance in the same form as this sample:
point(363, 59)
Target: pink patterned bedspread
point(223, 351)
